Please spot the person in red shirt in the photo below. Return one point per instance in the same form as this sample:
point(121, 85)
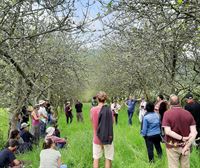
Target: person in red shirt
point(98, 147)
point(180, 132)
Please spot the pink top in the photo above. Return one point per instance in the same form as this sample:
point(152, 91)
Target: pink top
point(94, 113)
point(56, 139)
point(34, 121)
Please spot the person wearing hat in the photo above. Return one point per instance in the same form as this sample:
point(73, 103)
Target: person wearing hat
point(194, 108)
point(50, 134)
point(25, 134)
point(43, 117)
point(68, 112)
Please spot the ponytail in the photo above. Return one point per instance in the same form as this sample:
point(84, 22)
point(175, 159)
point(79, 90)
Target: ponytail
point(48, 143)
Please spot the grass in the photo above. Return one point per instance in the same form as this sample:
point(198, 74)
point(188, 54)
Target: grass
point(130, 149)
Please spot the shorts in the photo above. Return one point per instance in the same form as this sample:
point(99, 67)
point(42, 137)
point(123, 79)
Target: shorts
point(107, 149)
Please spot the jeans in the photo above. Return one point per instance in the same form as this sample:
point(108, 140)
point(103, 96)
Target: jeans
point(36, 133)
point(42, 129)
point(60, 145)
point(130, 115)
point(151, 142)
point(63, 166)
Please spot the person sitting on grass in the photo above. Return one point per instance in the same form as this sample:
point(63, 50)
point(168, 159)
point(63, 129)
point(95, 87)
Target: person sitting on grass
point(57, 131)
point(25, 134)
point(60, 142)
point(49, 157)
point(23, 146)
point(7, 157)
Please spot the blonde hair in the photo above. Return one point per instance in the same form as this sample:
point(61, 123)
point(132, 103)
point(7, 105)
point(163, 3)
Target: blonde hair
point(102, 96)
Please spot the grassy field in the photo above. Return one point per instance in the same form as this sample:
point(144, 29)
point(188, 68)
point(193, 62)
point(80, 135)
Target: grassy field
point(130, 150)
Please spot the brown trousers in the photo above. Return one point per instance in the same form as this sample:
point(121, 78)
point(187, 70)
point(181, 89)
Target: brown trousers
point(175, 158)
point(79, 117)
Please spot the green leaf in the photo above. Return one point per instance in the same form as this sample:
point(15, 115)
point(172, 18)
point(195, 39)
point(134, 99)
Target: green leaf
point(180, 1)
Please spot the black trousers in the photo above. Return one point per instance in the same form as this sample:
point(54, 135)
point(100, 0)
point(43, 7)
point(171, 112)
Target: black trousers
point(69, 117)
point(116, 118)
point(151, 142)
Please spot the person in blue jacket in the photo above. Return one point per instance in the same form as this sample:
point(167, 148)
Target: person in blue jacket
point(151, 131)
point(130, 103)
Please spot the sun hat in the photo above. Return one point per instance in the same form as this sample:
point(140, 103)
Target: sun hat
point(41, 102)
point(24, 125)
point(50, 131)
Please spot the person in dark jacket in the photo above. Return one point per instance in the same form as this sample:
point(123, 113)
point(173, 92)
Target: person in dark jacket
point(102, 121)
point(79, 111)
point(68, 112)
point(7, 156)
point(194, 108)
point(25, 134)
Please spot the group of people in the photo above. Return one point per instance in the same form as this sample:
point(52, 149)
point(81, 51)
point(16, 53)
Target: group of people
point(22, 140)
point(69, 114)
point(163, 121)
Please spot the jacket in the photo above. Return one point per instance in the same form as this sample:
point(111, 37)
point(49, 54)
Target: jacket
point(105, 125)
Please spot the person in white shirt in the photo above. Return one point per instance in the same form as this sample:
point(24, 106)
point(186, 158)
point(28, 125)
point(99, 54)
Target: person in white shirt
point(142, 109)
point(49, 157)
point(43, 117)
point(115, 107)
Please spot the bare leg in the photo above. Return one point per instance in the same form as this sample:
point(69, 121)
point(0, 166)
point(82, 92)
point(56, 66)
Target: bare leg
point(96, 163)
point(108, 163)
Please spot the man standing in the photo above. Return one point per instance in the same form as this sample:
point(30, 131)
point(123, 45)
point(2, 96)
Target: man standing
point(180, 132)
point(130, 103)
point(79, 114)
point(194, 108)
point(102, 118)
point(43, 117)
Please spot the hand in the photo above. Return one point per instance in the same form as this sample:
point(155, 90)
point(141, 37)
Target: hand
point(186, 138)
point(185, 150)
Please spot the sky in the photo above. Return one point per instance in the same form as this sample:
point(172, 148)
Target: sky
point(96, 27)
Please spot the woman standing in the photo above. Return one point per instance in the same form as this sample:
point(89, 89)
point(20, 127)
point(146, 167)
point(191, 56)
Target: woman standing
point(151, 131)
point(49, 157)
point(68, 112)
point(36, 123)
point(115, 107)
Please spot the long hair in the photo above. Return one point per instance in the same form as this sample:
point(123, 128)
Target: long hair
point(48, 143)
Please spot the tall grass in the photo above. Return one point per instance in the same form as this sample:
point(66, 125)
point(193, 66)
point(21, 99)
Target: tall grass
point(4, 122)
point(130, 149)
